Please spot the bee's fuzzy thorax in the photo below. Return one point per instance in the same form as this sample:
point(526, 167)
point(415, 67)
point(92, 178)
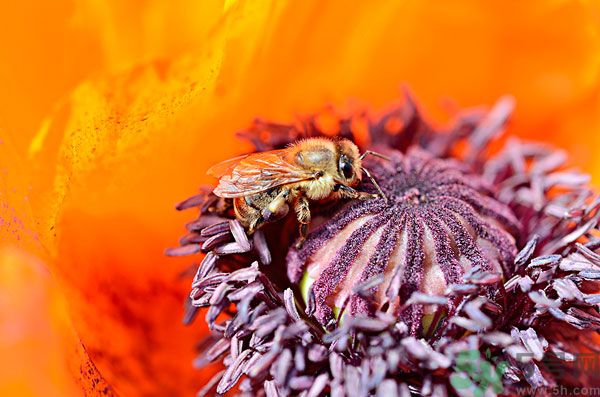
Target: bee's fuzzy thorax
point(320, 188)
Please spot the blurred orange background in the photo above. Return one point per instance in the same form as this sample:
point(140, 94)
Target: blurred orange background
point(111, 111)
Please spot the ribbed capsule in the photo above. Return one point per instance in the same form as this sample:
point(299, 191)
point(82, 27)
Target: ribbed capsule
point(439, 222)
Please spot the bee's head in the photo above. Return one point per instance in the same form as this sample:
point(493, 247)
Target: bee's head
point(349, 163)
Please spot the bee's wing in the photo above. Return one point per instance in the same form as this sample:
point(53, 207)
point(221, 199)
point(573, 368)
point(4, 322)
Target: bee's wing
point(225, 167)
point(255, 173)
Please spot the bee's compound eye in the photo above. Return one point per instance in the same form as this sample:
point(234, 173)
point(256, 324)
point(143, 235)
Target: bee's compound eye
point(346, 167)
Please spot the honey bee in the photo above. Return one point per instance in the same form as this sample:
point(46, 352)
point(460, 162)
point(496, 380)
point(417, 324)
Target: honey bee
point(264, 185)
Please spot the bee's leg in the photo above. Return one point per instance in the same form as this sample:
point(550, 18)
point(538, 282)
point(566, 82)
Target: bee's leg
point(303, 214)
point(278, 208)
point(247, 213)
point(348, 192)
point(256, 222)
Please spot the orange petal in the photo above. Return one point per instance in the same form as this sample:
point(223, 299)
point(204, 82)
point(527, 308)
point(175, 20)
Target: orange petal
point(129, 142)
point(42, 355)
point(43, 58)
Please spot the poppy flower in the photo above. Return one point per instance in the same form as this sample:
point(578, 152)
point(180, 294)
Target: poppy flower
point(117, 113)
point(462, 272)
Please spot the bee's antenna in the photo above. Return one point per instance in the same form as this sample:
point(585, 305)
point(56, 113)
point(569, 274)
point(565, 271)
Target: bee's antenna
point(375, 183)
point(372, 153)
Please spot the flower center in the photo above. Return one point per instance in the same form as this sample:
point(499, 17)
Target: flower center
point(440, 222)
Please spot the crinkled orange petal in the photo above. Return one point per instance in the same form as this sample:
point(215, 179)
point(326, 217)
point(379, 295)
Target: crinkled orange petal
point(41, 352)
point(43, 57)
point(120, 164)
point(17, 222)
